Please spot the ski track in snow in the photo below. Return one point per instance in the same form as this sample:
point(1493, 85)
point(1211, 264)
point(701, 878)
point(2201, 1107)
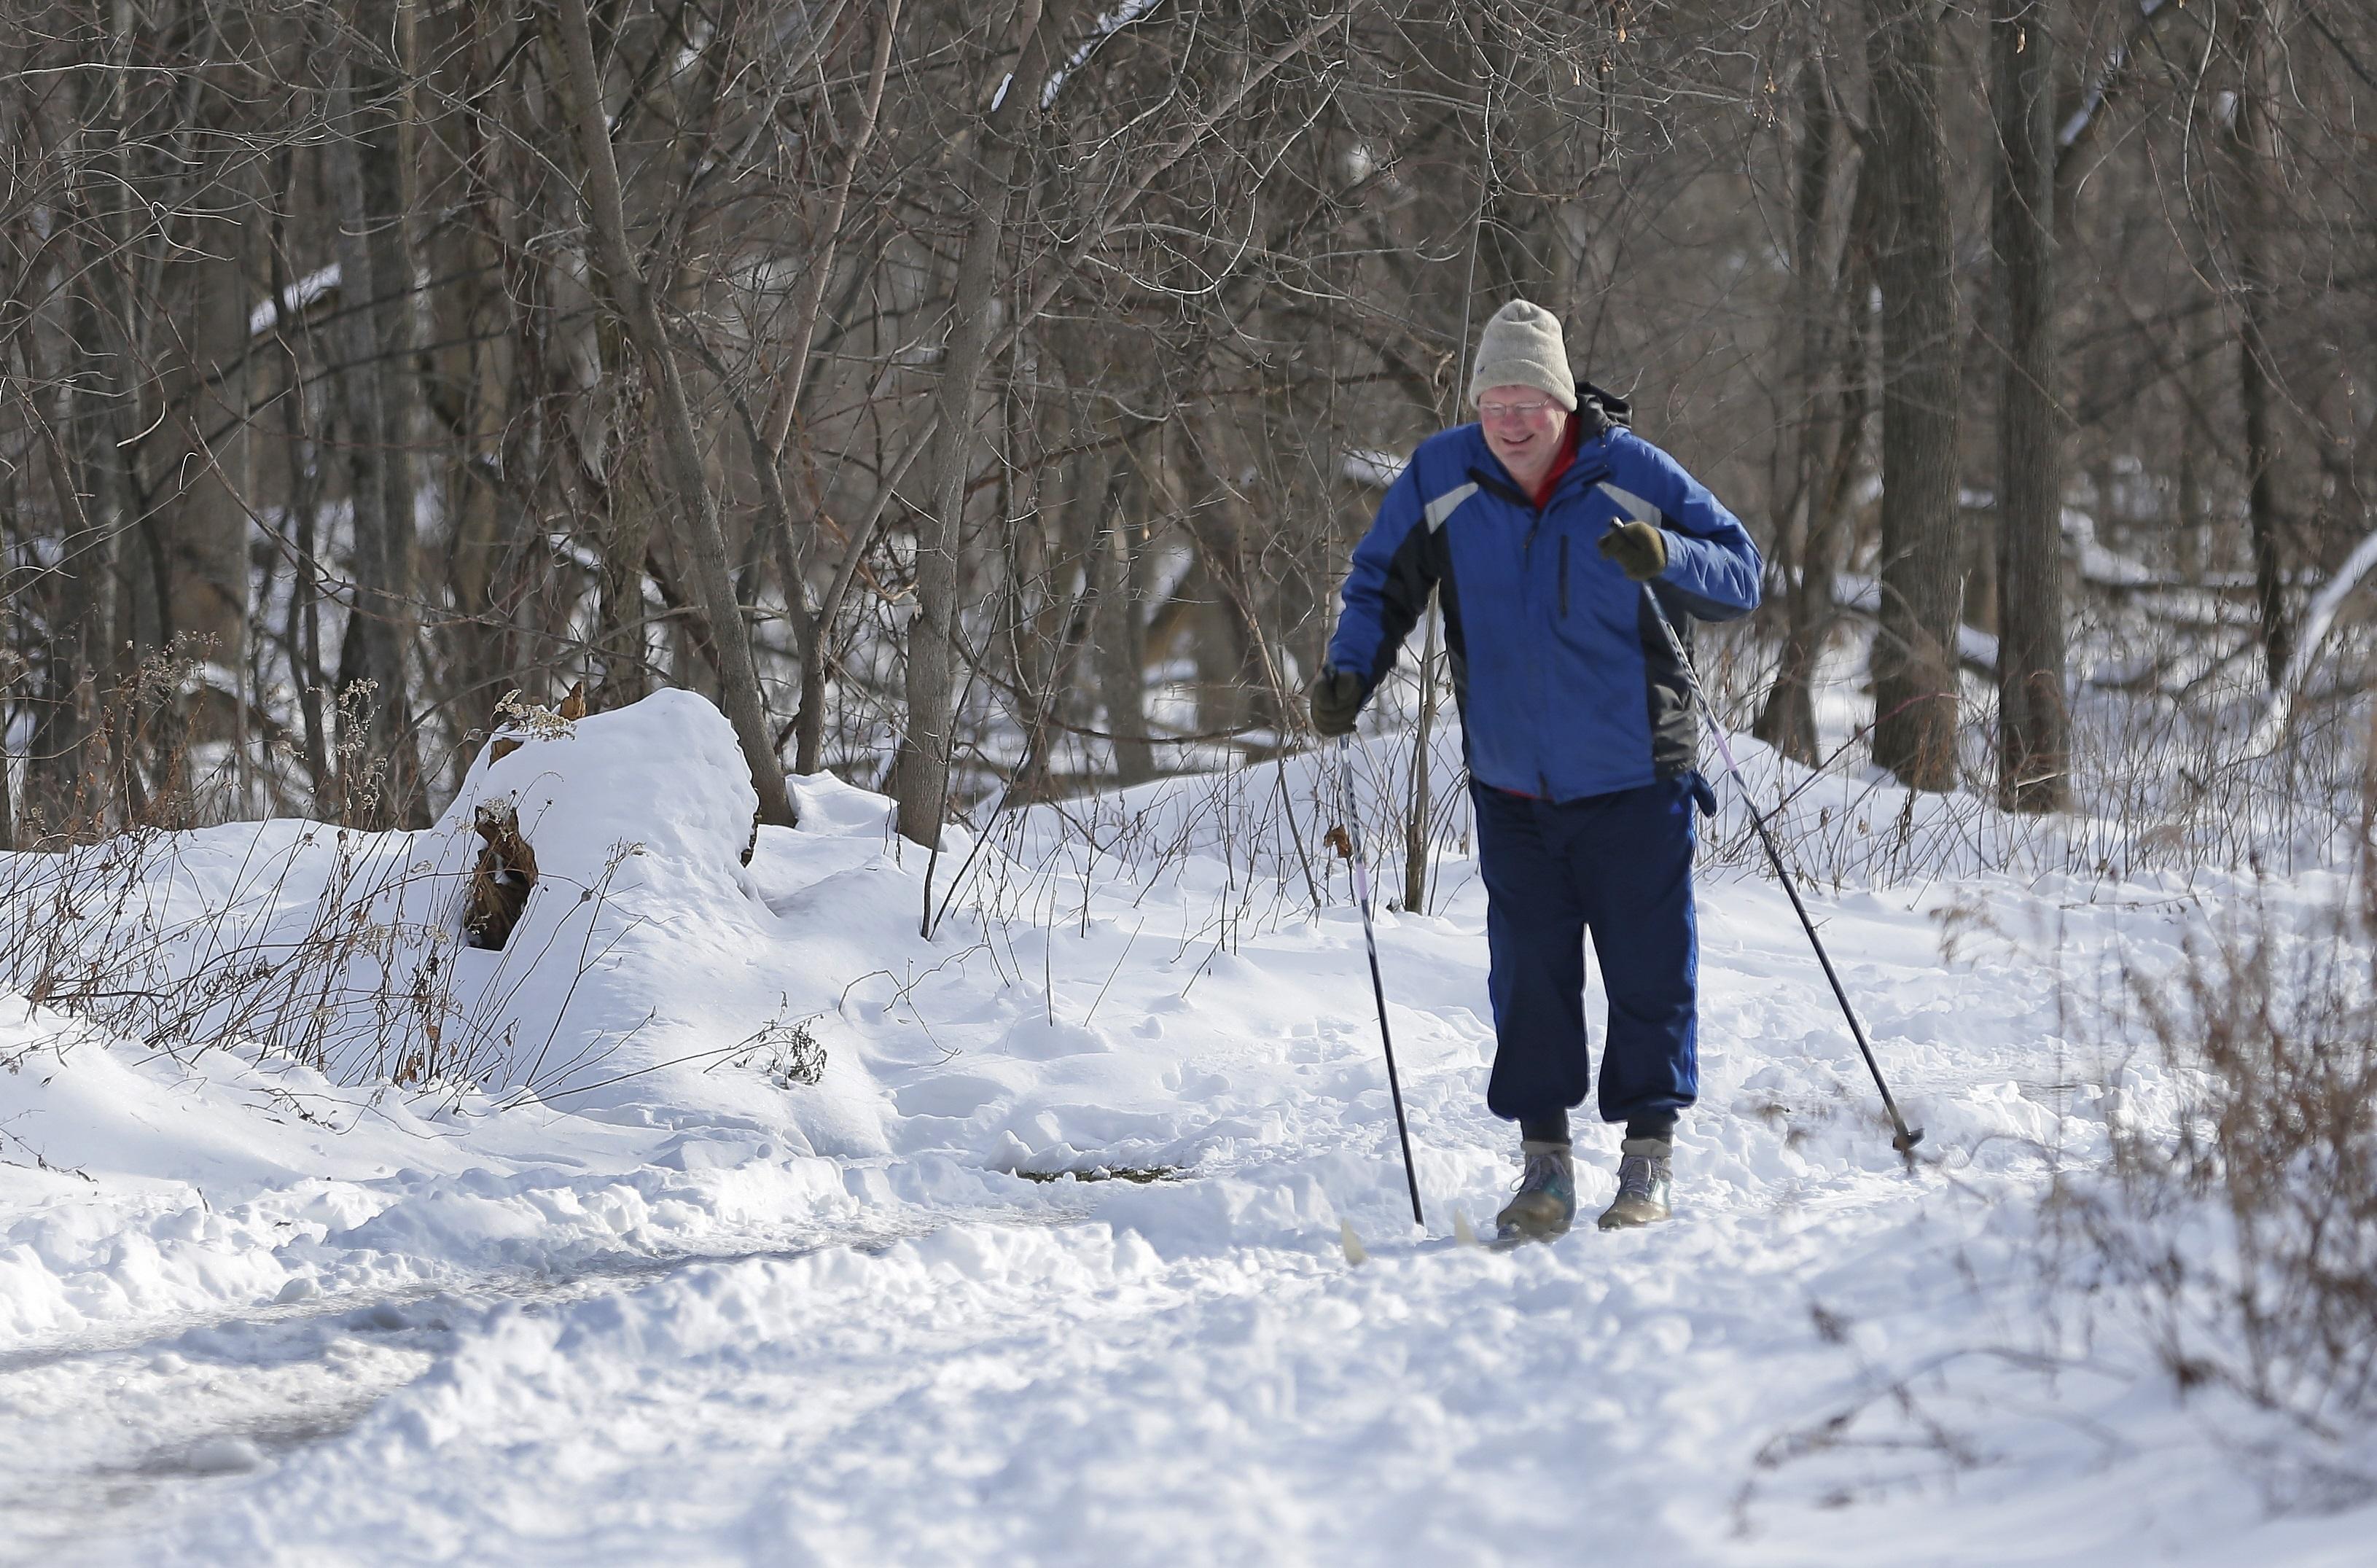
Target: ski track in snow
point(657, 1330)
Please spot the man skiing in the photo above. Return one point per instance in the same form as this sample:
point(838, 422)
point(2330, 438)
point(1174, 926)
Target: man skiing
point(1541, 526)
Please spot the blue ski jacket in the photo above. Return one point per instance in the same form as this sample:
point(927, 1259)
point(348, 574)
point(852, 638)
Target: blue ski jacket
point(1566, 684)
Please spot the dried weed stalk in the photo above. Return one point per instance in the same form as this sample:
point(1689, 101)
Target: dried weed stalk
point(2250, 1233)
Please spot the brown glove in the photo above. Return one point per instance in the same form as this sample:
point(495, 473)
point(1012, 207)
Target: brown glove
point(1638, 548)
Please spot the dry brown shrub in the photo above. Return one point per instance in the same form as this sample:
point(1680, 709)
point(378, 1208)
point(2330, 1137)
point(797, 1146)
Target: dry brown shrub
point(2249, 1232)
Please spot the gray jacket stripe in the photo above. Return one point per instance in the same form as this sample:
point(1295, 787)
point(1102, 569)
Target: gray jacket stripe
point(1629, 503)
point(1445, 505)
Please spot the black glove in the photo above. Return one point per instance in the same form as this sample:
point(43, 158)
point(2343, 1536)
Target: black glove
point(1638, 548)
point(1336, 698)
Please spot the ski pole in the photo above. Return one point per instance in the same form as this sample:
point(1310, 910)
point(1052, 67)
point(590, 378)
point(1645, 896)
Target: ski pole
point(1907, 1136)
point(1371, 941)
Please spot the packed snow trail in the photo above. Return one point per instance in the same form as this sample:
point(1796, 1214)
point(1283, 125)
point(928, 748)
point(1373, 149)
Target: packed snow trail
point(694, 1316)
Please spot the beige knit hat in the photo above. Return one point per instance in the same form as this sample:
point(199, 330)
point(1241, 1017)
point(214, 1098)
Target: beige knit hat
point(1523, 347)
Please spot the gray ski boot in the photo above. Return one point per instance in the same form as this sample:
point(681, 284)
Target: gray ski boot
point(1546, 1202)
point(1645, 1175)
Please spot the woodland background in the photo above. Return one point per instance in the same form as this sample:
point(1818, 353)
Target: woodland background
point(980, 401)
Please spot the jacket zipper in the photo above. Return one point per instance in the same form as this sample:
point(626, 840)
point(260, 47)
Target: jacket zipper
point(1543, 775)
point(1526, 581)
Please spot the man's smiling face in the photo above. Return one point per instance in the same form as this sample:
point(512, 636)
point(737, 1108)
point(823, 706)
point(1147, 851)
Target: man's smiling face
point(1524, 427)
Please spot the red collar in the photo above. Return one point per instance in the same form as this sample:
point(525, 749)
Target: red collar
point(1560, 464)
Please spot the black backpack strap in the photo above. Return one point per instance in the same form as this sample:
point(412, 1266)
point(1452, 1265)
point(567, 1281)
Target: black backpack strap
point(1493, 484)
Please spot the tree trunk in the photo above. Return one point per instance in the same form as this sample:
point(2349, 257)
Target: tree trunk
point(921, 772)
point(1237, 684)
point(67, 771)
point(2033, 744)
point(817, 647)
point(1787, 721)
point(1118, 638)
point(623, 666)
point(365, 167)
point(56, 759)
point(1915, 653)
point(304, 600)
point(208, 523)
point(812, 634)
point(705, 537)
point(1039, 616)
point(59, 760)
point(482, 400)
point(2255, 149)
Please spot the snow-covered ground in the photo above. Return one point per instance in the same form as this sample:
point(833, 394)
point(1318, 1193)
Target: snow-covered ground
point(1045, 1266)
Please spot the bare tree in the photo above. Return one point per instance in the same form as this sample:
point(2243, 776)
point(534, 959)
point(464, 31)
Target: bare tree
point(996, 153)
point(2253, 217)
point(2034, 743)
point(366, 172)
point(697, 504)
point(1922, 590)
point(1829, 431)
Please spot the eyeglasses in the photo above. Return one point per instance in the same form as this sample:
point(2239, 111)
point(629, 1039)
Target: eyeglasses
point(1528, 411)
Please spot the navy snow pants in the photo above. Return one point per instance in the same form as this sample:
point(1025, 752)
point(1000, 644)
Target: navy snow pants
point(1618, 865)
